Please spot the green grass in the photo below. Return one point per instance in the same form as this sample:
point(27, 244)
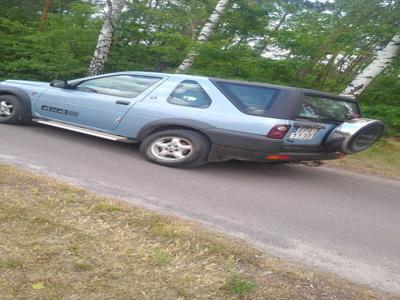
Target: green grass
point(381, 159)
point(161, 257)
point(238, 286)
point(60, 242)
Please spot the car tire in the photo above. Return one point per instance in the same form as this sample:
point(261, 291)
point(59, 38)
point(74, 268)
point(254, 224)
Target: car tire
point(176, 148)
point(11, 110)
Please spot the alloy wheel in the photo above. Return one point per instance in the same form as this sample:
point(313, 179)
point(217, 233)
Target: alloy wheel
point(6, 108)
point(172, 148)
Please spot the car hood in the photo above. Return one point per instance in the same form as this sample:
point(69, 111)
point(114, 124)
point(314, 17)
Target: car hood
point(25, 83)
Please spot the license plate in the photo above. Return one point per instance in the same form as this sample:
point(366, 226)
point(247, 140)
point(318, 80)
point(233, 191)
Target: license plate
point(304, 133)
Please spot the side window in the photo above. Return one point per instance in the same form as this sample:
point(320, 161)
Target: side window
point(190, 93)
point(250, 99)
point(128, 86)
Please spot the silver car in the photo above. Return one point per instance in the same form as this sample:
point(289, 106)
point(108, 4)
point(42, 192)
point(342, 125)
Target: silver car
point(187, 121)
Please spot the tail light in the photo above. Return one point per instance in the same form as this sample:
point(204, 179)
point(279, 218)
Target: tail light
point(278, 132)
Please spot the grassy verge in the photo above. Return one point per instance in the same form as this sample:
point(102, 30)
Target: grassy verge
point(381, 159)
point(60, 242)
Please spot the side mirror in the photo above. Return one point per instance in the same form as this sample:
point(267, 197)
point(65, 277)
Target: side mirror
point(60, 84)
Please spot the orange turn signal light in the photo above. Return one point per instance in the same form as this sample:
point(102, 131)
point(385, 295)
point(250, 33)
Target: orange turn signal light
point(278, 157)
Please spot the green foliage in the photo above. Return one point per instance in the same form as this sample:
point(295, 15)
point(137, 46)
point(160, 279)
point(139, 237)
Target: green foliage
point(238, 286)
point(390, 114)
point(242, 62)
point(62, 51)
point(156, 36)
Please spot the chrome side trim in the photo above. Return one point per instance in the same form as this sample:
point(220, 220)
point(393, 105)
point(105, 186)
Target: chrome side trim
point(91, 132)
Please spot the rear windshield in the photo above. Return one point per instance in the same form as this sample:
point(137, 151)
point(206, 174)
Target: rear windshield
point(250, 99)
point(327, 109)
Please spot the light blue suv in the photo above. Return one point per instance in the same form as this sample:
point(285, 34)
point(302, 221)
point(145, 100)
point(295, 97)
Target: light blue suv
point(187, 121)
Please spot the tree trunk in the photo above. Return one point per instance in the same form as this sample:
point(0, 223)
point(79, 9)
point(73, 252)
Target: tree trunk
point(205, 34)
point(45, 14)
point(106, 35)
point(382, 60)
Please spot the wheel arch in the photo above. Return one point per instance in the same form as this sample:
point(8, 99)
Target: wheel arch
point(171, 124)
point(21, 95)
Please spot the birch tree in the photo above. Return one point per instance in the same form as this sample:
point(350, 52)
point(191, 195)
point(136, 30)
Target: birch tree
point(205, 34)
point(104, 42)
point(383, 59)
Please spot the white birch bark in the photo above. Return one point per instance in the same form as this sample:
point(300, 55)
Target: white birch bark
point(205, 34)
point(106, 35)
point(383, 59)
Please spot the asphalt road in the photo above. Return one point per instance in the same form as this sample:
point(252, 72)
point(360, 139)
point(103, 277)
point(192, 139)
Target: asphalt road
point(335, 220)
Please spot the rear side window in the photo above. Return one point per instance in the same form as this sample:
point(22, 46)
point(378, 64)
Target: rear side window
point(327, 109)
point(190, 93)
point(250, 99)
point(127, 86)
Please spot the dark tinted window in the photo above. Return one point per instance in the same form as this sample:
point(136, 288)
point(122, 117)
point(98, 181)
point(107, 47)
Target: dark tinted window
point(120, 85)
point(251, 99)
point(321, 108)
point(190, 93)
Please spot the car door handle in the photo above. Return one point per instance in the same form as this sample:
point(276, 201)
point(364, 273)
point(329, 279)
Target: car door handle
point(122, 102)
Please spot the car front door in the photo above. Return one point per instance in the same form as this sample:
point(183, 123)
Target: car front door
point(99, 103)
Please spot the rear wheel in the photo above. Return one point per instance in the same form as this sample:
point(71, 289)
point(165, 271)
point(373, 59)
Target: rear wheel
point(11, 110)
point(176, 148)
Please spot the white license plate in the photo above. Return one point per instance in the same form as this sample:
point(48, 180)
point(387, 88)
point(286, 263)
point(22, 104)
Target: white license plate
point(304, 133)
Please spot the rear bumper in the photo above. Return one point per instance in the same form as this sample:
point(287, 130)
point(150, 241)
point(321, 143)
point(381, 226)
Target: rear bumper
point(223, 153)
point(227, 145)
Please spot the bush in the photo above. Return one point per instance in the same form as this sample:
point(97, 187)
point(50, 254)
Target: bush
point(390, 114)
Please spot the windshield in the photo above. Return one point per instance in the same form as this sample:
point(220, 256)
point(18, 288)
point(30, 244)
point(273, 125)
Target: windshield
point(128, 86)
point(328, 109)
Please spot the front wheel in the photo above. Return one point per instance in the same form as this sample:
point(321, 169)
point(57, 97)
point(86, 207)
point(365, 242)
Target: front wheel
point(11, 110)
point(176, 148)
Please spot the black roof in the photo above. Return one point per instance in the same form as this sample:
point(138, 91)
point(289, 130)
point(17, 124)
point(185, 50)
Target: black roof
point(288, 88)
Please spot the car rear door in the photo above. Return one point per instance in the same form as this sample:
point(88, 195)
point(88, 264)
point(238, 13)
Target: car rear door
point(99, 103)
point(317, 116)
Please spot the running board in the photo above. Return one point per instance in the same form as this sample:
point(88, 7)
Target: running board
point(91, 132)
